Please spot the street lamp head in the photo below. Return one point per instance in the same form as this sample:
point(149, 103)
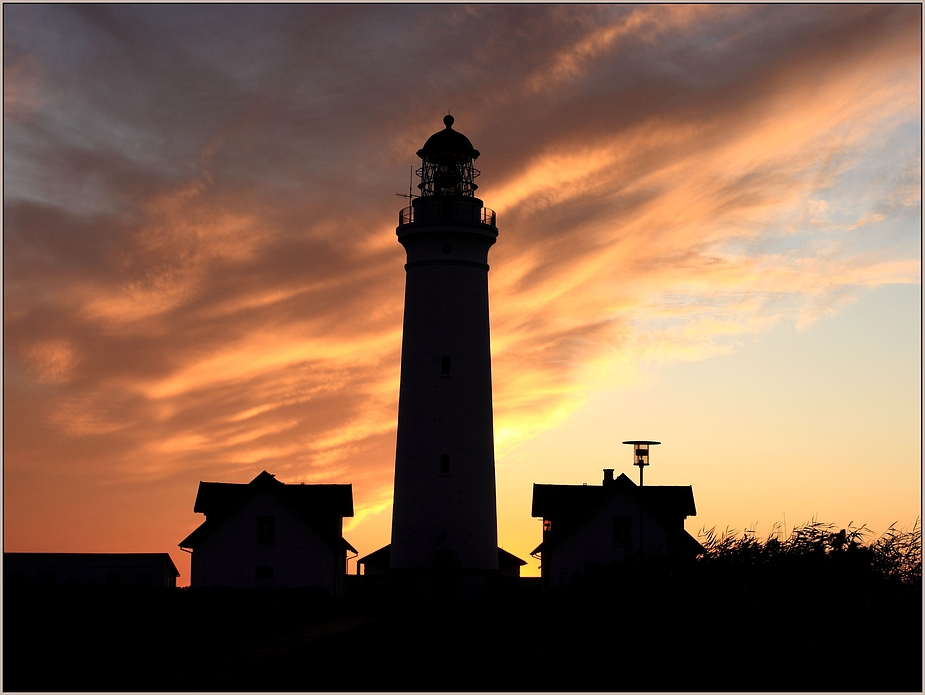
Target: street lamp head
point(641, 453)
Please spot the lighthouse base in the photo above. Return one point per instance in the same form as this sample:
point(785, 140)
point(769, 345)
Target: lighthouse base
point(436, 586)
point(442, 582)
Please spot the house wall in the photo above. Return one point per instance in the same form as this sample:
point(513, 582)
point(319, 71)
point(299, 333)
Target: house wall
point(299, 556)
point(593, 543)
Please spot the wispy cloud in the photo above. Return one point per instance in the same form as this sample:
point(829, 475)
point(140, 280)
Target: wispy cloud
point(201, 277)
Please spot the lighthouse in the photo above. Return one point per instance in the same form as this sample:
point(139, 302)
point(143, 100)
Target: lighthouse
point(444, 516)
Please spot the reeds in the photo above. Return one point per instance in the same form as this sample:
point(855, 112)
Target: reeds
point(895, 554)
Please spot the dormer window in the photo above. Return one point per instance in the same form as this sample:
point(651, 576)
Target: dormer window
point(266, 530)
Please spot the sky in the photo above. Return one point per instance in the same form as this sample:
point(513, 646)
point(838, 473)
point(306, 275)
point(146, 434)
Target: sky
point(709, 235)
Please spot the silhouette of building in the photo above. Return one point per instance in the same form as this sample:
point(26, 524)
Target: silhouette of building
point(109, 569)
point(444, 515)
point(270, 534)
point(586, 526)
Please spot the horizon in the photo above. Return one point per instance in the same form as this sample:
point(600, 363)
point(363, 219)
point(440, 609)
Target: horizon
point(709, 235)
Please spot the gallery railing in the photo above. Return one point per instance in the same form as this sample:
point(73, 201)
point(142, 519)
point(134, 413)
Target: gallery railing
point(447, 211)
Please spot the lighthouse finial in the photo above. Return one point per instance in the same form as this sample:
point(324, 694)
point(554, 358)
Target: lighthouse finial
point(448, 121)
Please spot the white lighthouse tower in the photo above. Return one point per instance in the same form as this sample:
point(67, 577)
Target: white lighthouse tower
point(444, 518)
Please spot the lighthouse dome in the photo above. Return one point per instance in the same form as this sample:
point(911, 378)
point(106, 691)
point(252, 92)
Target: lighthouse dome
point(447, 143)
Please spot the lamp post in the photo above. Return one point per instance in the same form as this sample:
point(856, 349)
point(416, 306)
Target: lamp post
point(641, 454)
point(641, 459)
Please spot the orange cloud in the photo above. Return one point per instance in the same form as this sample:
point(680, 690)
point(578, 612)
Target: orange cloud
point(201, 273)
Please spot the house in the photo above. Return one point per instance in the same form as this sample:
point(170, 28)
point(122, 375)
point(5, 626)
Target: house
point(110, 569)
point(269, 534)
point(377, 563)
point(586, 526)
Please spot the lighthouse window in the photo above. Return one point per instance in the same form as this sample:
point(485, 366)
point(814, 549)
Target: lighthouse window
point(445, 365)
point(445, 464)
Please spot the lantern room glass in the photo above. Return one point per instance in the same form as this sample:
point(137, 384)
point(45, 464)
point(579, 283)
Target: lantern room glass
point(447, 175)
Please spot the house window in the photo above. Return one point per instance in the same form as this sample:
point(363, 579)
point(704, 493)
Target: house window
point(445, 365)
point(113, 578)
point(263, 577)
point(445, 464)
point(266, 530)
point(622, 527)
point(143, 579)
point(547, 525)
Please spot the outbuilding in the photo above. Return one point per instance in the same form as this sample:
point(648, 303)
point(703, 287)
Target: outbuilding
point(87, 569)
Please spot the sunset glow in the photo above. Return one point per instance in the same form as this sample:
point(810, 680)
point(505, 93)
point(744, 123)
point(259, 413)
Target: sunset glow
point(709, 234)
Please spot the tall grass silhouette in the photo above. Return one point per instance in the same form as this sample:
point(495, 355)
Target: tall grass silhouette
point(896, 554)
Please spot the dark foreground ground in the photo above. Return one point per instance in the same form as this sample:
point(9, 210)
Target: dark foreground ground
point(660, 630)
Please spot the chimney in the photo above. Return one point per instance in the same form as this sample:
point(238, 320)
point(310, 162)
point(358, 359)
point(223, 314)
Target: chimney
point(608, 476)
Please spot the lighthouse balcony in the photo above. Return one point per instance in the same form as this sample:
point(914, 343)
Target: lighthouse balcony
point(447, 211)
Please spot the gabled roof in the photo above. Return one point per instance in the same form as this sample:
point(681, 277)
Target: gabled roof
point(574, 501)
point(218, 498)
point(311, 503)
point(90, 559)
point(690, 545)
point(199, 534)
point(506, 559)
point(384, 554)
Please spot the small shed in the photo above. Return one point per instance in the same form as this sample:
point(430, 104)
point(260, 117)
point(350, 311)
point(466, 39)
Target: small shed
point(105, 569)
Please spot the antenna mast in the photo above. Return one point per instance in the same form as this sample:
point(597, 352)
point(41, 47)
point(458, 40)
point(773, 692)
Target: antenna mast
point(409, 196)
